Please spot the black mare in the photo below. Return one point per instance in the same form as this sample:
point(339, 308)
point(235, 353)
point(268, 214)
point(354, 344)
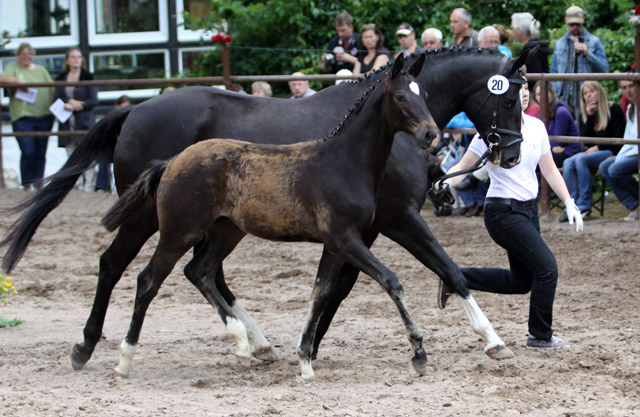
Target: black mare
point(456, 80)
point(321, 191)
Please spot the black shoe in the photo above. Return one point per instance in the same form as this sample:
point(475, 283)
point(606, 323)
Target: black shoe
point(443, 211)
point(468, 183)
point(564, 218)
point(444, 293)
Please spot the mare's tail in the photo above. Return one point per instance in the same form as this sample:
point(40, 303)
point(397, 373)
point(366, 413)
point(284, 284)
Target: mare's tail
point(139, 194)
point(99, 142)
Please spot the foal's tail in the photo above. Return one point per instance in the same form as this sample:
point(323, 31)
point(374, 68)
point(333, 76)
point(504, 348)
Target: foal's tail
point(138, 195)
point(99, 143)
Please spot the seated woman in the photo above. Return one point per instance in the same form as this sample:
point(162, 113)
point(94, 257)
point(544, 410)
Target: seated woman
point(618, 171)
point(599, 118)
point(372, 53)
point(561, 123)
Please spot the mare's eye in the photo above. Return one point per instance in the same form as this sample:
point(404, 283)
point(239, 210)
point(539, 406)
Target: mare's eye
point(509, 102)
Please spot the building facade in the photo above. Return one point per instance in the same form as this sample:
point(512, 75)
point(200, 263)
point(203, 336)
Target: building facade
point(120, 39)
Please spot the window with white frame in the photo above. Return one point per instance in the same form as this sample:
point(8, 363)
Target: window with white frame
point(128, 65)
point(127, 21)
point(188, 59)
point(198, 8)
point(42, 23)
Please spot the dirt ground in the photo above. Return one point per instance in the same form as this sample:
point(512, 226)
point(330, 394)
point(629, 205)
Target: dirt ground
point(185, 363)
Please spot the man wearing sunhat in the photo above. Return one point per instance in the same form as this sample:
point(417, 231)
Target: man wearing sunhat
point(578, 51)
point(407, 39)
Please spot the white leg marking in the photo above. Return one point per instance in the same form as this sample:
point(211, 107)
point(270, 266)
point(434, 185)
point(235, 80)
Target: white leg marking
point(256, 337)
point(126, 356)
point(305, 368)
point(480, 324)
point(238, 333)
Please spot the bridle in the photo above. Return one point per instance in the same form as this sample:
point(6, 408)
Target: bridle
point(439, 192)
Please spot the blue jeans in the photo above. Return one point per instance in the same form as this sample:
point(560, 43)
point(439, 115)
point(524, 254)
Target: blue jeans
point(516, 228)
point(103, 181)
point(618, 176)
point(33, 148)
point(576, 171)
point(475, 195)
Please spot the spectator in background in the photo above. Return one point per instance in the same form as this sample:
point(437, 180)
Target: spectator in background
point(341, 47)
point(489, 37)
point(578, 51)
point(431, 38)
point(81, 100)
point(463, 33)
point(123, 101)
point(598, 119)
point(372, 54)
point(506, 39)
point(29, 114)
point(407, 39)
point(561, 123)
point(261, 89)
point(300, 88)
point(526, 29)
point(618, 171)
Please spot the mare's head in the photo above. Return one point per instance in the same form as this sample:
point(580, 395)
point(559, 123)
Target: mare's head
point(494, 108)
point(406, 104)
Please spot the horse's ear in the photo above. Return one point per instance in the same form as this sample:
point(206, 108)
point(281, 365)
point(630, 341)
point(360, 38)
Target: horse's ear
point(397, 67)
point(417, 66)
point(521, 60)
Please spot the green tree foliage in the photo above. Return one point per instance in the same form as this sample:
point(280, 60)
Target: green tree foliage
point(282, 36)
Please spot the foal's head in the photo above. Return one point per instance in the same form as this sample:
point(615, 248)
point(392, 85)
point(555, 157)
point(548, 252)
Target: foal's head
point(405, 104)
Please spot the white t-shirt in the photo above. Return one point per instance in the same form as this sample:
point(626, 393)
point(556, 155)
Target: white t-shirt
point(519, 182)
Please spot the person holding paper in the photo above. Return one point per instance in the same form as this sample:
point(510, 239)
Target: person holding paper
point(81, 100)
point(29, 110)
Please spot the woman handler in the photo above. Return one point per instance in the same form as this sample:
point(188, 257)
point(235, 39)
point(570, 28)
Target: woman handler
point(511, 218)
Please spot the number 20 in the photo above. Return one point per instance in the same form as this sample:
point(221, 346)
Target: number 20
point(497, 85)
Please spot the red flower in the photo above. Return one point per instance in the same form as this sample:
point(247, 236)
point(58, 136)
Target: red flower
point(227, 39)
point(636, 10)
point(217, 38)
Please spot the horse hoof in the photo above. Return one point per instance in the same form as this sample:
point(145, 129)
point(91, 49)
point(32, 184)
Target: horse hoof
point(78, 358)
point(121, 373)
point(243, 360)
point(499, 352)
point(265, 354)
point(419, 365)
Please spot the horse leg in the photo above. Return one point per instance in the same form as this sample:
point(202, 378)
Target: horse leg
point(149, 282)
point(323, 289)
point(355, 252)
point(203, 272)
point(346, 275)
point(412, 233)
point(113, 262)
point(262, 348)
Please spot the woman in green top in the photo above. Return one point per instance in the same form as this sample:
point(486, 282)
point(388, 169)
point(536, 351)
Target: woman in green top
point(29, 113)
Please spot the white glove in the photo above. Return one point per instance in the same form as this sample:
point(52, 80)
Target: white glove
point(573, 214)
point(440, 184)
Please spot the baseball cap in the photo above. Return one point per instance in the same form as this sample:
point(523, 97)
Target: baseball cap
point(404, 29)
point(574, 14)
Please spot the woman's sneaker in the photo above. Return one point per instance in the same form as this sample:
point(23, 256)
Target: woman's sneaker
point(534, 342)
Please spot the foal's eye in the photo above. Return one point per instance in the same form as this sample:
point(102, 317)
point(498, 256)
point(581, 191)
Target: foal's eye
point(401, 98)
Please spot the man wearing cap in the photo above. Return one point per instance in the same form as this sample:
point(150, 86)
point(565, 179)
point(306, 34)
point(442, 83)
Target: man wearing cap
point(463, 33)
point(578, 51)
point(407, 40)
point(344, 43)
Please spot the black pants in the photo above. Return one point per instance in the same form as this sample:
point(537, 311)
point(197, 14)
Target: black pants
point(516, 228)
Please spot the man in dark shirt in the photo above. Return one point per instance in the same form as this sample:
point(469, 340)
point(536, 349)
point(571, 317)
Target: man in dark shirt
point(345, 42)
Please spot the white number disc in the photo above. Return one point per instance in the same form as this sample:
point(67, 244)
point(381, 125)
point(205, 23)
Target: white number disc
point(498, 84)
